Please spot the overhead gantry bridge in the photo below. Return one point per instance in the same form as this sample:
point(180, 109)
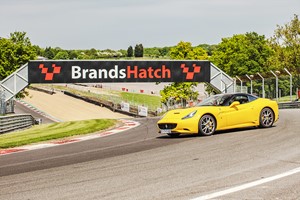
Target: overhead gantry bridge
point(91, 71)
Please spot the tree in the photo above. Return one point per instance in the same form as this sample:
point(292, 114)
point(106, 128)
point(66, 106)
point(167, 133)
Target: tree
point(130, 52)
point(62, 55)
point(92, 53)
point(164, 51)
point(183, 90)
point(152, 52)
point(179, 91)
point(123, 52)
point(198, 53)
point(49, 53)
point(139, 50)
point(15, 52)
point(184, 50)
point(286, 44)
point(208, 48)
point(39, 51)
point(73, 54)
point(243, 54)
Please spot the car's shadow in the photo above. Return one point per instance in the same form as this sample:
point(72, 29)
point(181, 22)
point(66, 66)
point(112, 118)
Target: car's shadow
point(217, 133)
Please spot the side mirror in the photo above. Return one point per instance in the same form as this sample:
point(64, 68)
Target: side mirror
point(234, 104)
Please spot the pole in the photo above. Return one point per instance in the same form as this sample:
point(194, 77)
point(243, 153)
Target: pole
point(241, 83)
point(276, 84)
point(291, 84)
point(251, 90)
point(221, 75)
point(2, 101)
point(263, 84)
point(234, 85)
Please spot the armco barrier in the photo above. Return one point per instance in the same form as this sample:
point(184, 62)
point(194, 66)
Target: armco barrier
point(15, 122)
point(287, 105)
point(42, 90)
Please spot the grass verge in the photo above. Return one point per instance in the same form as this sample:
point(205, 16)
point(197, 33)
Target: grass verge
point(53, 131)
point(287, 98)
point(153, 102)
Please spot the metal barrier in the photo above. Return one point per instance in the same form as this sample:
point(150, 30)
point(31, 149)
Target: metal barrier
point(15, 122)
point(287, 105)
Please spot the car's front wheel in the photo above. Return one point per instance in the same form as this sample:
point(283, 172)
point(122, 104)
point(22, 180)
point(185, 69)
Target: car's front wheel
point(207, 125)
point(266, 118)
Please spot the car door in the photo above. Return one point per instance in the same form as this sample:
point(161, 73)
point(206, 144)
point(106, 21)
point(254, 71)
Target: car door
point(237, 115)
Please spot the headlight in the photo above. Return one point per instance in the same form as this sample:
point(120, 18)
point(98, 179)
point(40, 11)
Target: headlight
point(190, 115)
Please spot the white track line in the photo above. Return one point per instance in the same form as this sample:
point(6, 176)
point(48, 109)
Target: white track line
point(248, 185)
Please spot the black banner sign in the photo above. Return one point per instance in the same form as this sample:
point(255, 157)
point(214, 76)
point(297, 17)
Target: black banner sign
point(69, 71)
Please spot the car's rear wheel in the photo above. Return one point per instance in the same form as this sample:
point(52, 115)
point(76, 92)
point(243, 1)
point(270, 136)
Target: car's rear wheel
point(207, 125)
point(266, 118)
point(173, 134)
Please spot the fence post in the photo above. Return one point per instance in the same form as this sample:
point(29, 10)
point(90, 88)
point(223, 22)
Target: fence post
point(291, 84)
point(241, 83)
point(276, 84)
point(251, 91)
point(263, 84)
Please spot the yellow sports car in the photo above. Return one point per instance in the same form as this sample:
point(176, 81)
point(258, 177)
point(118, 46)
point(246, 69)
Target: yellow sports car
point(220, 112)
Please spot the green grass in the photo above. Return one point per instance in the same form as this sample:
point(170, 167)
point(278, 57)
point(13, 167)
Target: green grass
point(287, 98)
point(53, 131)
point(151, 101)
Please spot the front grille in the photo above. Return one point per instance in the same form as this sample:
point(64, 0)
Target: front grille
point(167, 126)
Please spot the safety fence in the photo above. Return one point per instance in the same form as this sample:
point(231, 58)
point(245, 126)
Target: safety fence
point(15, 122)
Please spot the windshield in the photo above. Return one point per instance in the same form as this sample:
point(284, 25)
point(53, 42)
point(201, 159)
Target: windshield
point(216, 100)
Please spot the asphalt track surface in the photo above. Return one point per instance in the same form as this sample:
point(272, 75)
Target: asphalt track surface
point(21, 109)
point(141, 164)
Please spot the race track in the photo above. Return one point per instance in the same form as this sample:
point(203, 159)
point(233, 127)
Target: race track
point(140, 164)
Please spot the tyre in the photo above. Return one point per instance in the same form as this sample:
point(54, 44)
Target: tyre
point(207, 125)
point(173, 134)
point(266, 118)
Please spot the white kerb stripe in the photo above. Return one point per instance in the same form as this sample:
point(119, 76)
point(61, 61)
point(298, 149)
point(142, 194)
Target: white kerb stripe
point(248, 185)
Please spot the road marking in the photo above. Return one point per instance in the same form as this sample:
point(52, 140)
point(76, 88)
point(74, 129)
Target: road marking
point(247, 185)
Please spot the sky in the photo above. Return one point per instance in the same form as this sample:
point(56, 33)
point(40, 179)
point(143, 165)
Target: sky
point(117, 24)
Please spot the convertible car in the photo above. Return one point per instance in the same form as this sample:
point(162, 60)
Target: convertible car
point(220, 112)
